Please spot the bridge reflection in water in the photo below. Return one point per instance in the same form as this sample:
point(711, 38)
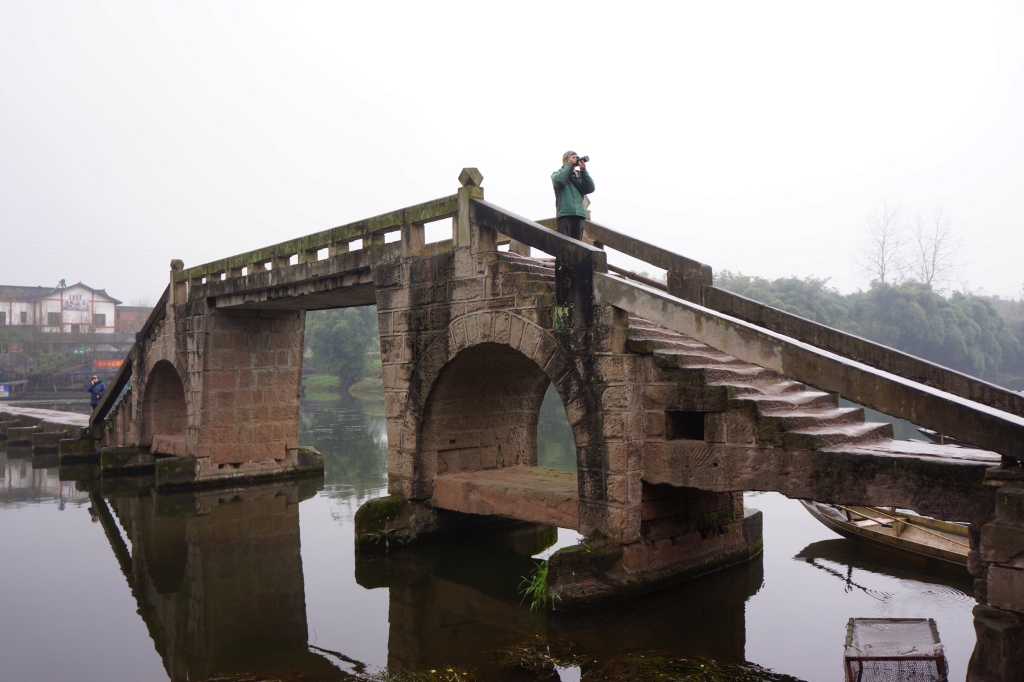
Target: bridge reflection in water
point(218, 579)
point(459, 603)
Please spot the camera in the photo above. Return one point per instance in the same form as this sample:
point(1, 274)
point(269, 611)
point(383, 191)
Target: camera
point(584, 159)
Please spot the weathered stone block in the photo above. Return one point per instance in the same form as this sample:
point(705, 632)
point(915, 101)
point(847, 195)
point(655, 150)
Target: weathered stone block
point(1010, 505)
point(21, 435)
point(177, 471)
point(740, 428)
point(46, 442)
point(1006, 588)
point(76, 448)
point(6, 424)
point(387, 275)
point(615, 398)
point(390, 522)
point(125, 461)
point(999, 652)
point(1001, 543)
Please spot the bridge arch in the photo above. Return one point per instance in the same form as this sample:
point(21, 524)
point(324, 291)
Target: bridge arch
point(482, 382)
point(164, 411)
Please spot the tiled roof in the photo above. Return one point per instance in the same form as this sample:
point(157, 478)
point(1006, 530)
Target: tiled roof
point(16, 293)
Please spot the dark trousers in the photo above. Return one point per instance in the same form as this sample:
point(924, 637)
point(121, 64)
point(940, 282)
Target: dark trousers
point(571, 226)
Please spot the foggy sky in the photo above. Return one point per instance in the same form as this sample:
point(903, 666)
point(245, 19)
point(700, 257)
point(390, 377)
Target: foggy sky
point(755, 137)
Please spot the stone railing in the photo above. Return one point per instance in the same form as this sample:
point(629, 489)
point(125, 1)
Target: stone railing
point(867, 385)
point(575, 262)
point(370, 232)
point(106, 409)
point(691, 280)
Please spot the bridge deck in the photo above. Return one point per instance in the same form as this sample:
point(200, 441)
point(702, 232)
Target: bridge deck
point(525, 493)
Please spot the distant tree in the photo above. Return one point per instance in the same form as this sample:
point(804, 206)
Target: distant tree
point(963, 332)
point(810, 297)
point(933, 250)
point(881, 254)
point(43, 367)
point(339, 341)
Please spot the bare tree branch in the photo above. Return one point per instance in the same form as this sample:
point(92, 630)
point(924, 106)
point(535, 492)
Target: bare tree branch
point(881, 254)
point(935, 246)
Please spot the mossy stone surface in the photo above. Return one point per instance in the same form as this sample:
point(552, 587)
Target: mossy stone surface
point(75, 448)
point(173, 471)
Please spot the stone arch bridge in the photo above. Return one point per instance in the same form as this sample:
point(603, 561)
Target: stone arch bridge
point(680, 397)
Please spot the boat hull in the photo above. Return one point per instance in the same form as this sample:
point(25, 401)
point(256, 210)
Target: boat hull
point(886, 541)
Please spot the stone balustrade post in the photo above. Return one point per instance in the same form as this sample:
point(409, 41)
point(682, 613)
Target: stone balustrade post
point(689, 282)
point(179, 290)
point(471, 180)
point(413, 240)
point(518, 248)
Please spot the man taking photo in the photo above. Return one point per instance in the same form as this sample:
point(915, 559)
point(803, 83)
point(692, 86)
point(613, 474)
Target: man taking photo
point(572, 182)
point(96, 389)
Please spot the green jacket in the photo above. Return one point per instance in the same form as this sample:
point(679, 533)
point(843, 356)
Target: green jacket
point(569, 191)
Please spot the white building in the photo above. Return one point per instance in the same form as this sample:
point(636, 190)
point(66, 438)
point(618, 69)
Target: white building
point(70, 310)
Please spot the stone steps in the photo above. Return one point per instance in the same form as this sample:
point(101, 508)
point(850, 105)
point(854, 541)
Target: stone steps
point(793, 420)
point(788, 413)
point(829, 436)
point(784, 402)
point(544, 270)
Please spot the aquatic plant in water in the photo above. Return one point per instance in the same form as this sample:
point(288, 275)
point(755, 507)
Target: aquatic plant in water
point(663, 668)
point(535, 587)
point(446, 674)
point(539, 655)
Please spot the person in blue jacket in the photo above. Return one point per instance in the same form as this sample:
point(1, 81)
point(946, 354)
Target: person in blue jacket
point(571, 186)
point(96, 389)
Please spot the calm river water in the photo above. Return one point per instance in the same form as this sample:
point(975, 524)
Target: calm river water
point(115, 583)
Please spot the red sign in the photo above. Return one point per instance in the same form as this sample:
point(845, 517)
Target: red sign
point(106, 364)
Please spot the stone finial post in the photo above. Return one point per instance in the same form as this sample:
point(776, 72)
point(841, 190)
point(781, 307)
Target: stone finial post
point(471, 180)
point(690, 282)
point(179, 290)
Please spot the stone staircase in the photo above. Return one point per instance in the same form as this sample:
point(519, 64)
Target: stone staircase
point(787, 413)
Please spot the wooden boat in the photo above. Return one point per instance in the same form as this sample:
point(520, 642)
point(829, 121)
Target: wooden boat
point(895, 529)
point(942, 439)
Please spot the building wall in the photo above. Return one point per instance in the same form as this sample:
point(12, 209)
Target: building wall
point(75, 305)
point(12, 311)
